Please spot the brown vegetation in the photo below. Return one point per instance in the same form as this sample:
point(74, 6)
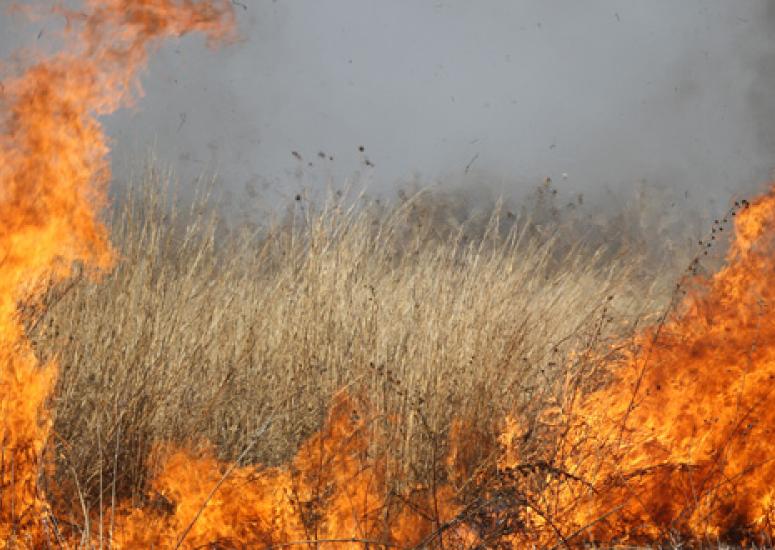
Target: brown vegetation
point(241, 338)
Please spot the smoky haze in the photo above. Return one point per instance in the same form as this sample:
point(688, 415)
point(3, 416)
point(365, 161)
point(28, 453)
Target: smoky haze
point(499, 93)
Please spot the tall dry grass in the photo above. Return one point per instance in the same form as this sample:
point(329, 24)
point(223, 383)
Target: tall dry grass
point(430, 314)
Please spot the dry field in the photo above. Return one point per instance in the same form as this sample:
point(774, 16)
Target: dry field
point(435, 317)
point(440, 371)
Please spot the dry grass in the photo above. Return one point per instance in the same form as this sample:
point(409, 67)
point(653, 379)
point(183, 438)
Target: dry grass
point(424, 311)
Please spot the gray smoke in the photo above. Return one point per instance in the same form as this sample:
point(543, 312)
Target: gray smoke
point(606, 92)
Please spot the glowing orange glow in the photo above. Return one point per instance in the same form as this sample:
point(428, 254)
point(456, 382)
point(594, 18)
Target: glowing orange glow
point(53, 174)
point(681, 442)
point(331, 490)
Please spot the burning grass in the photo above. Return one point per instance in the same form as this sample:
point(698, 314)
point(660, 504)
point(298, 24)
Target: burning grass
point(234, 344)
point(356, 375)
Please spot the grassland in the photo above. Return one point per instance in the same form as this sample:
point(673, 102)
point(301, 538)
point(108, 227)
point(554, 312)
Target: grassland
point(431, 312)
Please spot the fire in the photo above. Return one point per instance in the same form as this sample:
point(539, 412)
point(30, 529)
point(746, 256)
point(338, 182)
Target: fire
point(53, 175)
point(332, 491)
point(678, 444)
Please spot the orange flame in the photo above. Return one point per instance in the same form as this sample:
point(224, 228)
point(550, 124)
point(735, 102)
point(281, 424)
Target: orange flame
point(332, 492)
point(680, 444)
point(53, 175)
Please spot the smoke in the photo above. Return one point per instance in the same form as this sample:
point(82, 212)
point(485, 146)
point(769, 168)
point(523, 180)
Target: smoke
point(610, 93)
point(761, 96)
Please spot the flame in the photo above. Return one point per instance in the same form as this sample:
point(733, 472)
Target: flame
point(332, 490)
point(53, 176)
point(680, 443)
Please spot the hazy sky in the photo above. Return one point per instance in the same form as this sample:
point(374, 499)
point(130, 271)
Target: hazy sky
point(607, 91)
